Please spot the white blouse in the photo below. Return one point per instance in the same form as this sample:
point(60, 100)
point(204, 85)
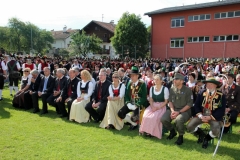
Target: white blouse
point(83, 84)
point(25, 78)
point(122, 90)
point(166, 92)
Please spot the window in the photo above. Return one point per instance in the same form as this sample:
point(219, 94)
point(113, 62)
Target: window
point(199, 17)
point(237, 13)
point(177, 22)
point(229, 14)
point(226, 38)
point(198, 39)
point(177, 42)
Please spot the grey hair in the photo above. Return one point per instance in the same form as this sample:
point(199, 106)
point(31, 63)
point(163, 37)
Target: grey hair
point(104, 72)
point(76, 69)
point(61, 70)
point(158, 76)
point(238, 75)
point(46, 68)
point(34, 72)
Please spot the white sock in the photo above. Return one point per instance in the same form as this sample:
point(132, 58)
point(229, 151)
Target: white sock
point(195, 129)
point(16, 89)
point(211, 134)
point(11, 89)
point(0, 94)
point(128, 119)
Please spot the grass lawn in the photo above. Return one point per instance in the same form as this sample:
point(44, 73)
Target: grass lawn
point(24, 135)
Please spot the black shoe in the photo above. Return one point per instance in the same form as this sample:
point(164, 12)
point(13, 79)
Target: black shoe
point(58, 112)
point(11, 94)
point(132, 127)
point(179, 140)
point(172, 134)
point(44, 112)
point(201, 135)
point(62, 116)
point(35, 111)
point(1, 99)
point(96, 120)
point(206, 140)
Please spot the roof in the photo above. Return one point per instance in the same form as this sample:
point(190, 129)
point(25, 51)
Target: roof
point(63, 35)
point(108, 26)
point(194, 6)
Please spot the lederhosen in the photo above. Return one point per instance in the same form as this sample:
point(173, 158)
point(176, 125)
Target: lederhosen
point(13, 80)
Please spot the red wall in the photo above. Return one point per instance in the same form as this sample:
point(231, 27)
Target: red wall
point(162, 33)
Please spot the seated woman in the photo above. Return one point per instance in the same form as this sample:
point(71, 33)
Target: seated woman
point(84, 92)
point(158, 98)
point(18, 100)
point(115, 103)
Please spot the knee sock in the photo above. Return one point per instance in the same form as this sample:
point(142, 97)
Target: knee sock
point(128, 119)
point(0, 94)
point(11, 89)
point(211, 134)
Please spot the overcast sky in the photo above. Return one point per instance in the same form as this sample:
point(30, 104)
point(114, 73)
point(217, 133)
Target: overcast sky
point(75, 14)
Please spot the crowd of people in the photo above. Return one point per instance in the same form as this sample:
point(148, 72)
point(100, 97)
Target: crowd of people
point(147, 94)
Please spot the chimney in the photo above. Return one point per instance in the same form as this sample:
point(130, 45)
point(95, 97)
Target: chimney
point(112, 22)
point(65, 29)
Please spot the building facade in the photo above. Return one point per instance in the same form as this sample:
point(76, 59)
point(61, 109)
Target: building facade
point(207, 30)
point(104, 31)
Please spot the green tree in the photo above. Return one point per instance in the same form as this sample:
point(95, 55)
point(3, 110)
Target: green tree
point(64, 53)
point(130, 36)
point(83, 44)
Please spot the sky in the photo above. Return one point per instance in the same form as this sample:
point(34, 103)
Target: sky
point(75, 14)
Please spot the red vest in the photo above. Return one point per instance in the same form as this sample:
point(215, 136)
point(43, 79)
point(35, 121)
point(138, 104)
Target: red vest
point(29, 66)
point(43, 65)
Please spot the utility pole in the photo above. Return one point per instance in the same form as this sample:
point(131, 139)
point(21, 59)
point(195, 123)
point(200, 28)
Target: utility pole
point(31, 43)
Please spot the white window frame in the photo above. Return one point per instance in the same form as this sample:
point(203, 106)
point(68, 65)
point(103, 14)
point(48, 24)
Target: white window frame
point(225, 38)
point(174, 39)
point(198, 39)
point(234, 14)
point(205, 19)
point(178, 18)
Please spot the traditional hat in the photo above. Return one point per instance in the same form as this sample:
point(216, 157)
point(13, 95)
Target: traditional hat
point(230, 75)
point(212, 80)
point(134, 70)
point(178, 76)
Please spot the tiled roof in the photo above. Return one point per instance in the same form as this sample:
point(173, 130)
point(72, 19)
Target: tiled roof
point(194, 6)
point(63, 35)
point(107, 26)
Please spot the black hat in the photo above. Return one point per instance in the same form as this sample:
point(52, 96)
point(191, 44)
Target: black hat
point(231, 75)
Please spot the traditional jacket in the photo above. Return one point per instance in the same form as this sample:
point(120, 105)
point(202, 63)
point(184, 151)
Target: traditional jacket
point(140, 92)
point(216, 103)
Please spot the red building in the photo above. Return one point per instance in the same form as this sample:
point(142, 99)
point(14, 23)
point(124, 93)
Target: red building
point(208, 30)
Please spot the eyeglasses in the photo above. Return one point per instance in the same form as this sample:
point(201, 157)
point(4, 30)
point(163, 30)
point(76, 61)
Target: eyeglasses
point(25, 71)
point(115, 77)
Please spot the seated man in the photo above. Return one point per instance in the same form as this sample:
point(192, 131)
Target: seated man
point(99, 98)
point(71, 89)
point(33, 89)
point(135, 98)
point(210, 108)
point(180, 103)
point(57, 99)
point(44, 91)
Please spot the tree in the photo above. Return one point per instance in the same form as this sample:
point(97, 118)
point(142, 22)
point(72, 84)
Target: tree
point(83, 44)
point(64, 53)
point(130, 36)
point(20, 36)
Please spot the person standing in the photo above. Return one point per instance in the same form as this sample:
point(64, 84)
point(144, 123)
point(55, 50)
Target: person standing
point(158, 98)
point(14, 74)
point(210, 108)
point(3, 75)
point(180, 103)
point(135, 99)
point(232, 93)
